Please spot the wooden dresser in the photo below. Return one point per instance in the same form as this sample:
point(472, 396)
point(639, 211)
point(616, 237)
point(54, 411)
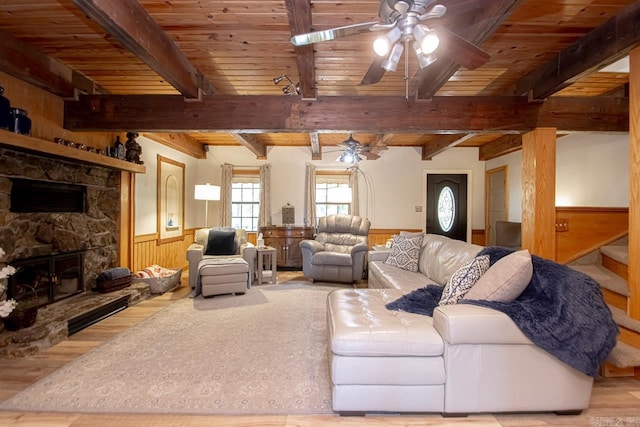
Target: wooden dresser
point(287, 240)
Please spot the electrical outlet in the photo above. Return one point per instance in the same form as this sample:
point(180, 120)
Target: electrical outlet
point(418, 208)
point(562, 224)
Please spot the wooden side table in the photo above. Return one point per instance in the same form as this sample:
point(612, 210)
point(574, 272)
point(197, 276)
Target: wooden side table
point(267, 264)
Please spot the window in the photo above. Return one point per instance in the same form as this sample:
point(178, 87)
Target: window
point(245, 202)
point(330, 200)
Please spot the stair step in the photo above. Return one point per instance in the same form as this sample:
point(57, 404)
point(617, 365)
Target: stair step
point(623, 356)
point(621, 318)
point(605, 278)
point(619, 253)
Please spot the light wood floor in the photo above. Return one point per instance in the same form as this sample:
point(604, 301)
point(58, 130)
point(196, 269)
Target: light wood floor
point(614, 402)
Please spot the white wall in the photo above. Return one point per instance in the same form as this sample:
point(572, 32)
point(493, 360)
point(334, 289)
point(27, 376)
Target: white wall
point(591, 170)
point(146, 186)
point(396, 180)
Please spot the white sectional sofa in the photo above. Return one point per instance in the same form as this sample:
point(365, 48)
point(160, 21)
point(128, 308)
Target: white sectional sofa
point(464, 359)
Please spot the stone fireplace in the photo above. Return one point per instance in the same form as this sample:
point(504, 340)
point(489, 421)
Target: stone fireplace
point(29, 229)
point(59, 225)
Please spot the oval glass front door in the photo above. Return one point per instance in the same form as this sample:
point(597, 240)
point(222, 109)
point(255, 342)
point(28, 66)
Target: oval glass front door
point(446, 209)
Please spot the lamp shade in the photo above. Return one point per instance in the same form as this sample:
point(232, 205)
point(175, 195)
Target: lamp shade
point(207, 192)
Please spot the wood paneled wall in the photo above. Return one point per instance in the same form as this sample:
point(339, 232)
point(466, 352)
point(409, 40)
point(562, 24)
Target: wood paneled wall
point(148, 251)
point(379, 236)
point(588, 229)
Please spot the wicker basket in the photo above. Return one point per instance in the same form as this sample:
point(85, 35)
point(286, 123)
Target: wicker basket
point(105, 286)
point(21, 317)
point(160, 285)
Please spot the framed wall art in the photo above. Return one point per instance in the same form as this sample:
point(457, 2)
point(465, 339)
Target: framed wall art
point(170, 200)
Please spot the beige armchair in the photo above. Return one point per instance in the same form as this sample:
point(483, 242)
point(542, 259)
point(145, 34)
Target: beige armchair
point(338, 252)
point(196, 253)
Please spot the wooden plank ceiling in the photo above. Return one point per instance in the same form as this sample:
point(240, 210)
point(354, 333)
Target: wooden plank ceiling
point(213, 56)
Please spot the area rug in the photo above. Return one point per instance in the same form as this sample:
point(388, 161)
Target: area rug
point(264, 352)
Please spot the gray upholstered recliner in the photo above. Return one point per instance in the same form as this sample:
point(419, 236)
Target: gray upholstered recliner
point(196, 253)
point(338, 252)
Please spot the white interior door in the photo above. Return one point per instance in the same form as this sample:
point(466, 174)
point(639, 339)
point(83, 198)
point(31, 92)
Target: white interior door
point(496, 198)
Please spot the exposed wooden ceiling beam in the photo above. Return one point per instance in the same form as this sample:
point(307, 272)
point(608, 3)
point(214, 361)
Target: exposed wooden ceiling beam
point(299, 13)
point(24, 62)
point(179, 141)
point(430, 79)
point(442, 143)
point(602, 46)
point(379, 114)
point(133, 27)
point(499, 147)
point(316, 152)
point(253, 143)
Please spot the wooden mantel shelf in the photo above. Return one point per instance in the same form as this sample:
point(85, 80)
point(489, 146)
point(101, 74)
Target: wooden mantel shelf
point(37, 145)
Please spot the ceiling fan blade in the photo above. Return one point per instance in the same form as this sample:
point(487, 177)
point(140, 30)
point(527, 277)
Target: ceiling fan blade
point(459, 7)
point(374, 73)
point(333, 33)
point(369, 155)
point(460, 50)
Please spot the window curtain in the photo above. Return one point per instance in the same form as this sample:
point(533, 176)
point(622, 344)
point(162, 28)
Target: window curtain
point(355, 199)
point(264, 216)
point(225, 195)
point(310, 197)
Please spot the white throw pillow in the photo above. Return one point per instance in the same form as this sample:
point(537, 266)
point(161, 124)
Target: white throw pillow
point(463, 279)
point(405, 253)
point(505, 280)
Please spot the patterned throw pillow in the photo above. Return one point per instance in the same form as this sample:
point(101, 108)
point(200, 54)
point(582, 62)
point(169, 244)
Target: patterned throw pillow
point(463, 279)
point(405, 252)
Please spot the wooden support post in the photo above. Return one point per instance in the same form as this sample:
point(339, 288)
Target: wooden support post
point(127, 219)
point(539, 192)
point(634, 184)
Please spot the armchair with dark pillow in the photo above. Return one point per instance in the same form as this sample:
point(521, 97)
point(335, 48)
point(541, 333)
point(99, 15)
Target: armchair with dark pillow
point(220, 242)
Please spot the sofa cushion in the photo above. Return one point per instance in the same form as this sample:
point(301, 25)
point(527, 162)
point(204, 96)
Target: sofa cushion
point(442, 256)
point(505, 280)
point(221, 242)
point(405, 252)
point(463, 279)
point(382, 275)
point(360, 325)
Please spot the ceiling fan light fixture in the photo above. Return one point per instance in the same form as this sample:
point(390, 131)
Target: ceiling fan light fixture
point(391, 63)
point(382, 45)
point(426, 60)
point(428, 39)
point(349, 157)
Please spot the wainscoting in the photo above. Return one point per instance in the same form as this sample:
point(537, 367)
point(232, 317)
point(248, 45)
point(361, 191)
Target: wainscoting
point(580, 230)
point(147, 251)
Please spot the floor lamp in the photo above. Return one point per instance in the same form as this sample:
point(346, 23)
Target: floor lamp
point(207, 192)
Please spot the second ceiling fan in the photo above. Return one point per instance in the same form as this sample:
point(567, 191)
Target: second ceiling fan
point(405, 23)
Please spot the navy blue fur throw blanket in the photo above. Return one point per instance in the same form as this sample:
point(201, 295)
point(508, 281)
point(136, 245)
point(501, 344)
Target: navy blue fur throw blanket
point(561, 311)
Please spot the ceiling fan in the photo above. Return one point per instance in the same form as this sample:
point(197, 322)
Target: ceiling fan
point(353, 149)
point(405, 23)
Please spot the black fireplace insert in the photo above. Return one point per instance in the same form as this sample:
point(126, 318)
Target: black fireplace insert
point(47, 278)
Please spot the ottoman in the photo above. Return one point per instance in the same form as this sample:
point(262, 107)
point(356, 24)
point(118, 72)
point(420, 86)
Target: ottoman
point(382, 360)
point(223, 276)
